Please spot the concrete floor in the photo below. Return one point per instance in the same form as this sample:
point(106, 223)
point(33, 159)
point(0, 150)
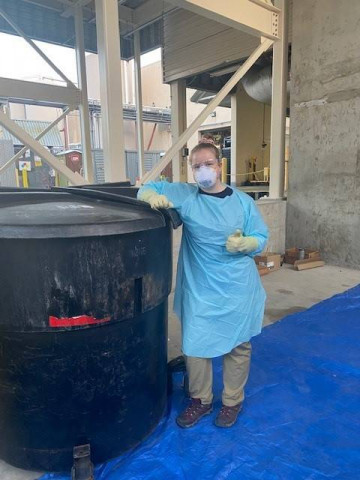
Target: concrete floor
point(288, 292)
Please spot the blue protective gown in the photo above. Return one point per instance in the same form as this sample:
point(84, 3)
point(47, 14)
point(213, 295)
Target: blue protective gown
point(219, 296)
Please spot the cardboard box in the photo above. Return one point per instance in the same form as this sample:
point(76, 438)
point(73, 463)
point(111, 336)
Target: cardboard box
point(307, 264)
point(262, 270)
point(271, 261)
point(292, 255)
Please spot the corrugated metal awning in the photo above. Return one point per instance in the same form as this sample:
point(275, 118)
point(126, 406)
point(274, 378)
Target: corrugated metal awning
point(34, 128)
point(44, 20)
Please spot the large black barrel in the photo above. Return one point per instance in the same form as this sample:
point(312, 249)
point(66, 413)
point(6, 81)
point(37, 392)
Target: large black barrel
point(83, 325)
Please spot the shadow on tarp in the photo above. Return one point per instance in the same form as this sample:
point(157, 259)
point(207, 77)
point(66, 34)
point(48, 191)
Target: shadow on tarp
point(301, 418)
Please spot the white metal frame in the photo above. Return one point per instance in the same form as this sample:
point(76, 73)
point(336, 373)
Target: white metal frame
point(22, 89)
point(197, 122)
point(36, 48)
point(178, 126)
point(256, 17)
point(246, 15)
point(139, 105)
point(67, 95)
point(108, 40)
point(38, 137)
point(35, 146)
point(84, 105)
point(278, 107)
point(261, 18)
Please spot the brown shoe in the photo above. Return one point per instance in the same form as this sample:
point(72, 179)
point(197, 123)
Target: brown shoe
point(228, 416)
point(193, 413)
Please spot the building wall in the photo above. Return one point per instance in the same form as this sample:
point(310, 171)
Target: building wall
point(324, 170)
point(154, 92)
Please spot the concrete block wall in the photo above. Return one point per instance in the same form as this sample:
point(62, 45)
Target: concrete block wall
point(274, 214)
point(324, 168)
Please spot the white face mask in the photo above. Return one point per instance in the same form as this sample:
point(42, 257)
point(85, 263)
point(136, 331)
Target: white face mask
point(205, 177)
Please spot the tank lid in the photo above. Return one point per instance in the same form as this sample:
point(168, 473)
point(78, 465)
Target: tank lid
point(64, 215)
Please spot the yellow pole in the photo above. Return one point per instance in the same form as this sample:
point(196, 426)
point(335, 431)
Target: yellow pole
point(224, 170)
point(25, 178)
point(17, 177)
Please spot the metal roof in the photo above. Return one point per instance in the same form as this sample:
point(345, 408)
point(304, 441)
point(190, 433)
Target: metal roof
point(33, 128)
point(46, 20)
point(150, 114)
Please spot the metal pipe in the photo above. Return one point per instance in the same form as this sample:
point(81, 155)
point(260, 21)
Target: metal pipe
point(152, 136)
point(84, 105)
point(257, 84)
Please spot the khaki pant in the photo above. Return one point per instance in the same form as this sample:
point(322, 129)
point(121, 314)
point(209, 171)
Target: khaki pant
point(236, 365)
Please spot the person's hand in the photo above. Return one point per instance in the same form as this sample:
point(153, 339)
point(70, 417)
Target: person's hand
point(237, 243)
point(155, 200)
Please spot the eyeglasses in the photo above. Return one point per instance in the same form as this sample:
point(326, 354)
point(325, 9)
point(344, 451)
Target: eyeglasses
point(209, 163)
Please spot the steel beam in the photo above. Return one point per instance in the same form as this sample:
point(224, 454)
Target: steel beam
point(150, 11)
point(38, 137)
point(126, 16)
point(84, 106)
point(244, 15)
point(35, 146)
point(278, 107)
point(108, 40)
point(68, 12)
point(36, 48)
point(139, 107)
point(34, 91)
point(178, 126)
point(197, 122)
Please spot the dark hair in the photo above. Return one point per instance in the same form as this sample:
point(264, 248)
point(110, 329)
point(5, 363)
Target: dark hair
point(205, 146)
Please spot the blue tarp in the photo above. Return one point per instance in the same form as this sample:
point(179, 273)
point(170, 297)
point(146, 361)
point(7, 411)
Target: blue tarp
point(301, 418)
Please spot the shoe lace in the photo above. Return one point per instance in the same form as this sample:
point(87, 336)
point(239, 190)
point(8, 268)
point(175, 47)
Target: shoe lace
point(225, 411)
point(193, 408)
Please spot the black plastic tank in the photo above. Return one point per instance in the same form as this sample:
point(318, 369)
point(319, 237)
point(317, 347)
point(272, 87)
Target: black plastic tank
point(83, 325)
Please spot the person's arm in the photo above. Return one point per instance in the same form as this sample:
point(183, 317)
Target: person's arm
point(165, 194)
point(253, 239)
point(256, 228)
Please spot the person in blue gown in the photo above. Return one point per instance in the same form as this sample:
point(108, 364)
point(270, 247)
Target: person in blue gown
point(219, 297)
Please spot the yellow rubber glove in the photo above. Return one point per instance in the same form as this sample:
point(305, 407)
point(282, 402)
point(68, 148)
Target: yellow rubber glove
point(155, 200)
point(236, 243)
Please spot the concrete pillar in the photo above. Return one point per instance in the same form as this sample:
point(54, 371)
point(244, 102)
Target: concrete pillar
point(84, 106)
point(324, 169)
point(108, 42)
point(279, 100)
point(178, 126)
point(250, 135)
point(139, 105)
